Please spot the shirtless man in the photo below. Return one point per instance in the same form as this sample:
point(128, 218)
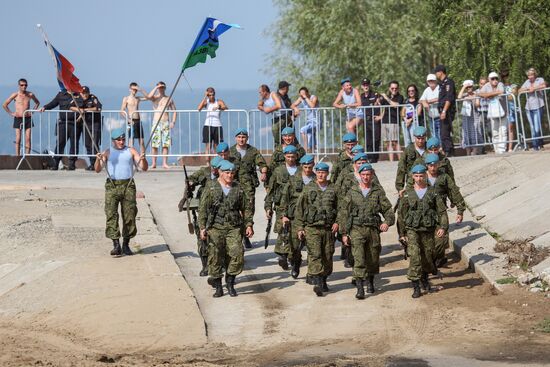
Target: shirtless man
point(130, 104)
point(22, 100)
point(161, 135)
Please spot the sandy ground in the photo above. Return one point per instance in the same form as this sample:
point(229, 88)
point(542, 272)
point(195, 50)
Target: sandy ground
point(45, 319)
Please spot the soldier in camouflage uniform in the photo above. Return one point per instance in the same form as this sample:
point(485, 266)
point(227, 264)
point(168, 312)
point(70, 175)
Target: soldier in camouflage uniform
point(279, 179)
point(414, 154)
point(222, 150)
point(289, 196)
point(224, 210)
point(201, 179)
point(278, 157)
point(361, 227)
point(245, 158)
point(343, 162)
point(120, 188)
point(421, 213)
point(434, 146)
point(316, 221)
point(445, 187)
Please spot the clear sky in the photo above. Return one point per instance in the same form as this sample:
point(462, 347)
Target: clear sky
point(114, 42)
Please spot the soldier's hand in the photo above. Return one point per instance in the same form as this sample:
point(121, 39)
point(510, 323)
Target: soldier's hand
point(301, 235)
point(142, 157)
point(249, 232)
point(335, 228)
point(99, 156)
point(459, 218)
point(263, 176)
point(440, 233)
point(404, 239)
point(384, 227)
point(285, 220)
point(345, 240)
point(401, 192)
point(203, 234)
point(268, 213)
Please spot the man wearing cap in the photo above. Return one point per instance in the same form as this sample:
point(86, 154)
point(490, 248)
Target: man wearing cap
point(421, 214)
point(429, 100)
point(224, 153)
point(446, 106)
point(278, 157)
point(496, 111)
point(348, 98)
point(224, 211)
point(343, 161)
point(445, 187)
point(373, 118)
point(289, 196)
point(316, 221)
point(202, 178)
point(284, 248)
point(247, 158)
point(91, 107)
point(434, 146)
point(120, 188)
point(361, 226)
point(413, 154)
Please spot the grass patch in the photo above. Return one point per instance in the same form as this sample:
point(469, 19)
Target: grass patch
point(508, 280)
point(544, 325)
point(495, 235)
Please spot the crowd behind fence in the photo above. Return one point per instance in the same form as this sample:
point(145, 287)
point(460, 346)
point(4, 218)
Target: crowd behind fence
point(503, 123)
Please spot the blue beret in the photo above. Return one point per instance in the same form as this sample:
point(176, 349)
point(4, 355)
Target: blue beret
point(321, 166)
point(419, 168)
point(433, 142)
point(349, 137)
point(358, 149)
point(287, 131)
point(365, 167)
point(360, 156)
point(226, 166)
point(431, 158)
point(307, 159)
point(117, 133)
point(215, 162)
point(222, 147)
point(289, 149)
point(419, 131)
point(241, 131)
point(345, 80)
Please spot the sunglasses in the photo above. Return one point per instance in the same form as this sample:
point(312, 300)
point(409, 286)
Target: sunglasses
point(494, 79)
point(22, 85)
point(210, 95)
point(411, 91)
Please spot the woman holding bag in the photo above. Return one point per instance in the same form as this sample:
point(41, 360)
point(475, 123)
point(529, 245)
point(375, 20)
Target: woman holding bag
point(496, 112)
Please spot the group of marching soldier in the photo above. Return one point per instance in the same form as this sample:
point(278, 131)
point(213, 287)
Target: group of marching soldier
point(312, 211)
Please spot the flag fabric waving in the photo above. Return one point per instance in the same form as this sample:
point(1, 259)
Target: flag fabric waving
point(206, 42)
point(65, 77)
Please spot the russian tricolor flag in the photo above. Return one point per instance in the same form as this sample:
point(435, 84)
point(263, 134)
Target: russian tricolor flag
point(65, 77)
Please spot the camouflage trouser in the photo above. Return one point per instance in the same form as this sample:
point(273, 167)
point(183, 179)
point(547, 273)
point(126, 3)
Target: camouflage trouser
point(120, 192)
point(421, 252)
point(366, 247)
point(225, 242)
point(320, 248)
point(441, 244)
point(250, 190)
point(288, 244)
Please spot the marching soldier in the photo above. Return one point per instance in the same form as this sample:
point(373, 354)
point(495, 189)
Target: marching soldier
point(421, 214)
point(201, 179)
point(343, 162)
point(357, 149)
point(361, 227)
point(246, 158)
point(290, 193)
point(223, 211)
point(434, 146)
point(413, 154)
point(278, 157)
point(316, 221)
point(277, 182)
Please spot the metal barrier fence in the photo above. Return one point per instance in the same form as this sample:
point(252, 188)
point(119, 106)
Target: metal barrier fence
point(534, 106)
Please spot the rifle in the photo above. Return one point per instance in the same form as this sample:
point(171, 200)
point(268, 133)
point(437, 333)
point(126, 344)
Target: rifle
point(268, 230)
point(187, 201)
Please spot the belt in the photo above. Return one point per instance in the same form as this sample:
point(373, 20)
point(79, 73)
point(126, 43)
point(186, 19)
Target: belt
point(120, 182)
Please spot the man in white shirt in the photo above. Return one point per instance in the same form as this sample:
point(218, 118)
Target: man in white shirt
point(429, 100)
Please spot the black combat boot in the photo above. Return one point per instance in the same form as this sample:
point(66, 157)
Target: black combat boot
point(318, 286)
point(441, 262)
point(204, 270)
point(218, 285)
point(247, 243)
point(425, 282)
point(55, 166)
point(353, 281)
point(296, 267)
point(325, 286)
point(126, 247)
point(342, 252)
point(309, 279)
point(211, 282)
point(416, 289)
point(283, 261)
point(230, 284)
point(360, 290)
point(116, 251)
point(370, 284)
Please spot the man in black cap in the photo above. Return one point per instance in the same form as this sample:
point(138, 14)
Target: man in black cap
point(446, 105)
point(91, 107)
point(372, 119)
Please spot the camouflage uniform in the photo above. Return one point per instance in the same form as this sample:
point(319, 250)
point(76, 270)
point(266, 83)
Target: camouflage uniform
point(316, 211)
point(246, 170)
point(278, 158)
point(121, 192)
point(223, 217)
point(408, 159)
point(343, 164)
point(445, 165)
point(360, 217)
point(419, 219)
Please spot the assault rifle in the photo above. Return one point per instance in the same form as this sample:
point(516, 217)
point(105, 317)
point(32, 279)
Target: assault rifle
point(268, 230)
point(187, 197)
